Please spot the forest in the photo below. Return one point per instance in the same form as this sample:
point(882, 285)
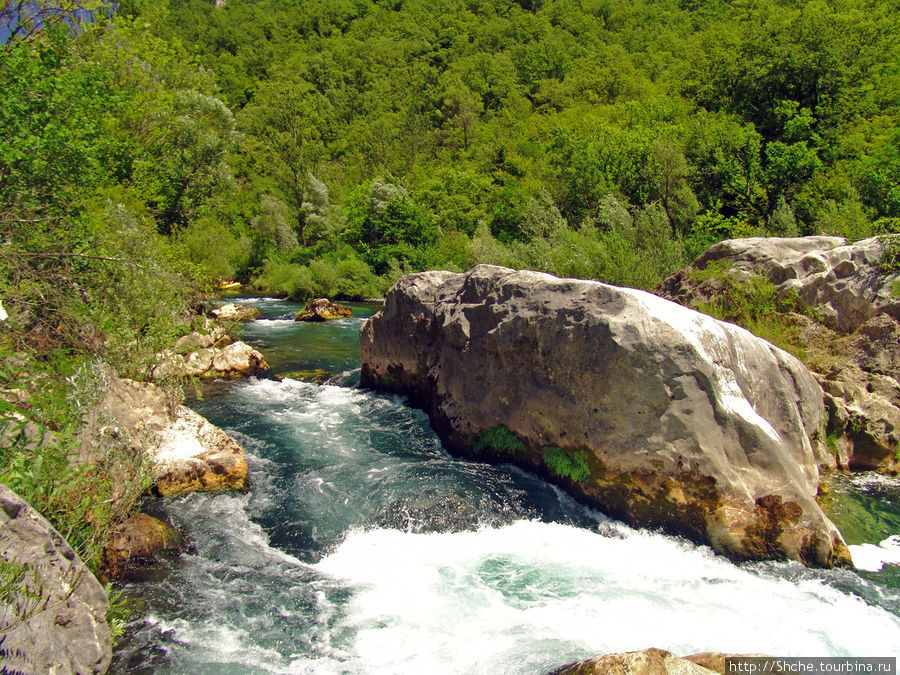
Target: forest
point(150, 150)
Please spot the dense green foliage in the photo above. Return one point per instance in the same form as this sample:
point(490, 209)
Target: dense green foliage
point(110, 142)
point(593, 138)
point(499, 439)
point(325, 147)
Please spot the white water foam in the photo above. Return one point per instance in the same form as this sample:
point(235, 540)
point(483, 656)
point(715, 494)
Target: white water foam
point(532, 595)
point(873, 558)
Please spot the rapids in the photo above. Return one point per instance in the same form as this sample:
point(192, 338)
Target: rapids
point(362, 547)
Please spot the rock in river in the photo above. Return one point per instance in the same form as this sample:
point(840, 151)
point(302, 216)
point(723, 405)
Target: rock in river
point(232, 312)
point(323, 309)
point(185, 451)
point(657, 414)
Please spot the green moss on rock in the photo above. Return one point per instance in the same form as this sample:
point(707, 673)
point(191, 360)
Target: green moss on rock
point(500, 439)
point(563, 465)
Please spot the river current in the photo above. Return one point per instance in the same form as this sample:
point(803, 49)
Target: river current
point(363, 547)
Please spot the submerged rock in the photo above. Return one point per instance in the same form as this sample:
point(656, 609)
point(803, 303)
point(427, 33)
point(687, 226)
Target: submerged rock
point(657, 414)
point(186, 452)
point(233, 312)
point(54, 620)
point(323, 309)
point(854, 339)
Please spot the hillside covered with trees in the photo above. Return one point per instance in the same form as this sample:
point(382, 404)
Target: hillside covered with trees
point(593, 138)
point(324, 147)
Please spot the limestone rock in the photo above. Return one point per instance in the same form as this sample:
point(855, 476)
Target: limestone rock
point(138, 539)
point(657, 414)
point(233, 312)
point(185, 451)
point(857, 329)
point(59, 624)
point(646, 662)
point(195, 341)
point(323, 309)
point(840, 281)
point(237, 359)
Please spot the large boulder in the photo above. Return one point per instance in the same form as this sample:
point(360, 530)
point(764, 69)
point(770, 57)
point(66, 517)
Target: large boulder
point(323, 309)
point(54, 619)
point(186, 453)
point(850, 310)
point(657, 414)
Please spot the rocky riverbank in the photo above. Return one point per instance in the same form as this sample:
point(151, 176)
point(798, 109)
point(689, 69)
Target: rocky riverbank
point(53, 616)
point(842, 300)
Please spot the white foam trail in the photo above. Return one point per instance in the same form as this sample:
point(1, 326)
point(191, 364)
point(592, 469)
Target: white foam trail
point(534, 595)
point(873, 558)
point(275, 324)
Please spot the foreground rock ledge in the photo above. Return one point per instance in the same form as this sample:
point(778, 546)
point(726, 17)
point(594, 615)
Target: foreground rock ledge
point(57, 625)
point(657, 414)
point(652, 661)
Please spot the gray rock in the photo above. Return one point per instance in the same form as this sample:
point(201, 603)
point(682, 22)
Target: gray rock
point(237, 359)
point(56, 622)
point(193, 342)
point(657, 414)
point(841, 282)
point(232, 312)
point(856, 334)
point(186, 453)
point(323, 309)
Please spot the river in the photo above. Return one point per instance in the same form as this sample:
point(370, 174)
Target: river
point(363, 547)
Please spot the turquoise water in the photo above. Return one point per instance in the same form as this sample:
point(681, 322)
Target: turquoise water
point(362, 547)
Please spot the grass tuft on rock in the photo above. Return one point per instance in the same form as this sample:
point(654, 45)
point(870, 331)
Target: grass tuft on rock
point(563, 465)
point(500, 439)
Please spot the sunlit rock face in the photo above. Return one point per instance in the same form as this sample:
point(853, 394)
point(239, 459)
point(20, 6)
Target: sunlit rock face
point(653, 412)
point(851, 288)
point(185, 452)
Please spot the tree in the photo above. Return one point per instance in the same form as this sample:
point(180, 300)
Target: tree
point(386, 227)
point(288, 127)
